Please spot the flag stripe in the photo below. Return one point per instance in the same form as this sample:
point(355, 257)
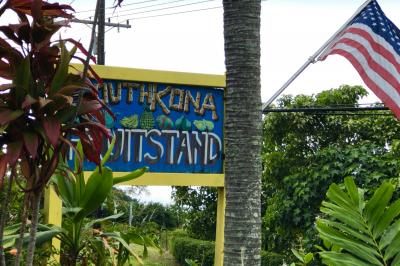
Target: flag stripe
point(385, 92)
point(383, 55)
point(377, 42)
point(375, 61)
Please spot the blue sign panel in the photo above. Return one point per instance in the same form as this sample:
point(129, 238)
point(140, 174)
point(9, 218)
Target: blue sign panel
point(169, 128)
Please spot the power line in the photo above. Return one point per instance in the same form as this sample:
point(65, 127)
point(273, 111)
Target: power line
point(112, 7)
point(165, 8)
point(143, 7)
point(175, 13)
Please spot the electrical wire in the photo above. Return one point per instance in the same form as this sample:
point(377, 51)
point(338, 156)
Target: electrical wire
point(175, 13)
point(112, 7)
point(165, 8)
point(143, 7)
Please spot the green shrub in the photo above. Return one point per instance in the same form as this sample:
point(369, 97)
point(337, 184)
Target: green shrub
point(271, 258)
point(184, 247)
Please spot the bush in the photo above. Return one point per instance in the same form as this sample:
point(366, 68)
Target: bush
point(184, 247)
point(271, 258)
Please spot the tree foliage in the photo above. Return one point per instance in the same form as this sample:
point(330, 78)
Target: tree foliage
point(199, 204)
point(304, 153)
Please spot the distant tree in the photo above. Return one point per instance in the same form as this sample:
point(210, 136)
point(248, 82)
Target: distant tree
point(199, 204)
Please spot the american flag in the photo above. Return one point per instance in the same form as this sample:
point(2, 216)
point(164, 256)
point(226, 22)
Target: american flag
point(371, 42)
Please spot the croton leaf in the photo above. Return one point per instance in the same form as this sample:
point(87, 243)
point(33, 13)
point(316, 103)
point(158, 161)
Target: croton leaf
point(81, 48)
point(31, 142)
point(13, 152)
point(29, 100)
point(3, 169)
point(62, 70)
point(87, 145)
point(7, 115)
point(11, 34)
point(89, 106)
point(52, 129)
point(48, 9)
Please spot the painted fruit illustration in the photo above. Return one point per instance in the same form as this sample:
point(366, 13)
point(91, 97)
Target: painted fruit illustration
point(109, 120)
point(147, 119)
point(130, 121)
point(164, 122)
point(203, 125)
point(209, 125)
point(183, 123)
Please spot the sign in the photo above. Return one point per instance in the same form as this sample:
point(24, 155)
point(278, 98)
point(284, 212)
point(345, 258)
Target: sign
point(171, 128)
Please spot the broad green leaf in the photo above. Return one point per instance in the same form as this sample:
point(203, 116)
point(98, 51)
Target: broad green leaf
point(12, 229)
point(125, 245)
point(80, 185)
point(308, 258)
point(71, 210)
point(389, 235)
point(111, 217)
point(97, 188)
point(349, 231)
point(343, 217)
point(352, 190)
point(396, 260)
point(336, 195)
point(362, 250)
point(64, 189)
point(341, 259)
point(298, 255)
point(393, 249)
point(386, 219)
point(132, 175)
point(377, 204)
point(109, 151)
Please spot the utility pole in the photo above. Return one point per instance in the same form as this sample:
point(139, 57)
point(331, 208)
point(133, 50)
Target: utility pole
point(100, 42)
point(101, 56)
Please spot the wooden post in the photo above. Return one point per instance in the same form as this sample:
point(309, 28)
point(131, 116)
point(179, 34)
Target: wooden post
point(53, 215)
point(219, 235)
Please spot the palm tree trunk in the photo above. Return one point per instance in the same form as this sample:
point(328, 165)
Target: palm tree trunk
point(243, 133)
point(4, 216)
point(23, 218)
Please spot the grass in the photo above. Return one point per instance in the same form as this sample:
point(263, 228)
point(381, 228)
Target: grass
point(155, 258)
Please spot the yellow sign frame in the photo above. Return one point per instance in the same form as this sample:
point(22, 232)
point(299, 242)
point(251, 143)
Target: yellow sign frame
point(53, 206)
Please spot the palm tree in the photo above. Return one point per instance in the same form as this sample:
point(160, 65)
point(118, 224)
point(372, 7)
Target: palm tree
point(243, 132)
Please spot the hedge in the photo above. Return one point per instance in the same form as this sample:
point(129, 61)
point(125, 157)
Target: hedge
point(184, 247)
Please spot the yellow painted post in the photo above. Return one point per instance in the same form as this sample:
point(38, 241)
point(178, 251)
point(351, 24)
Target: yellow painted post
point(53, 215)
point(219, 236)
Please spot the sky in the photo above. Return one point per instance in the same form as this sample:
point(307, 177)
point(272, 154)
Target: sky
point(291, 31)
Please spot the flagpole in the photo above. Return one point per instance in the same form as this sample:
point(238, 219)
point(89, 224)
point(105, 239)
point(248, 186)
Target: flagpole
point(314, 56)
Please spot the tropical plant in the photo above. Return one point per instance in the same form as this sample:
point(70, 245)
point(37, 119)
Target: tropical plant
point(81, 198)
point(304, 258)
point(243, 132)
point(43, 105)
point(117, 248)
point(357, 231)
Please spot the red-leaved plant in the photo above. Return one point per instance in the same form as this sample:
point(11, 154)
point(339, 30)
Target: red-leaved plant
point(42, 105)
